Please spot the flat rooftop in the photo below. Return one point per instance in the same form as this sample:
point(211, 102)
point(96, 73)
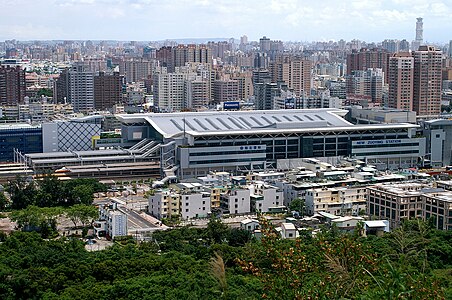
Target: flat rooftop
point(5, 126)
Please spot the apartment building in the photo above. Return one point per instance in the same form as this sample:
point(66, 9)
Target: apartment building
point(236, 200)
point(112, 221)
point(337, 201)
point(164, 204)
point(397, 202)
point(438, 209)
point(265, 197)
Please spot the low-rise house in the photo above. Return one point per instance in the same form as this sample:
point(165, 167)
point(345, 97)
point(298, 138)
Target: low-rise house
point(249, 224)
point(347, 224)
point(376, 227)
point(289, 231)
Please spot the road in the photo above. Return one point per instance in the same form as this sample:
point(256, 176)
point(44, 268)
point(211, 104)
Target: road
point(136, 221)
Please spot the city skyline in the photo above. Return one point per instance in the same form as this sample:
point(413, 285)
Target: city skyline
point(288, 20)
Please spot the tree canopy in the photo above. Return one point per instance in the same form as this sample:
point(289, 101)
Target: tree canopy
point(217, 262)
point(51, 192)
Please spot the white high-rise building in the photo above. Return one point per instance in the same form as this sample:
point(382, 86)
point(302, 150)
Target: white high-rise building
point(450, 48)
point(169, 91)
point(81, 88)
point(419, 35)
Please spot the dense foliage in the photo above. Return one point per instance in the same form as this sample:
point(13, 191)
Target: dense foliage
point(51, 192)
point(413, 262)
point(45, 219)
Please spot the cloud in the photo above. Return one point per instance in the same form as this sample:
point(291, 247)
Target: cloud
point(279, 19)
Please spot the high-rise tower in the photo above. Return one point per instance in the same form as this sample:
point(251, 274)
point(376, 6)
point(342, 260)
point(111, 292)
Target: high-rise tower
point(450, 48)
point(427, 80)
point(401, 78)
point(419, 31)
point(12, 85)
point(419, 35)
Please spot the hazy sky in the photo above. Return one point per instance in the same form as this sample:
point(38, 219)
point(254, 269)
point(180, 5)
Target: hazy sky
point(296, 20)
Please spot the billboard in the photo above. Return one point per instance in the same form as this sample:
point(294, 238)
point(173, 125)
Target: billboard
point(231, 105)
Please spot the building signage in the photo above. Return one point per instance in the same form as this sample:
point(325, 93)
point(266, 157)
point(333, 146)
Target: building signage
point(377, 142)
point(231, 105)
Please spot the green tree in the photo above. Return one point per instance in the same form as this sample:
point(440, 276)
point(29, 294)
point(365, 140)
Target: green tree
point(82, 194)
point(33, 218)
point(81, 213)
point(3, 201)
point(238, 237)
point(88, 214)
point(298, 205)
point(45, 92)
point(50, 192)
point(22, 193)
point(217, 231)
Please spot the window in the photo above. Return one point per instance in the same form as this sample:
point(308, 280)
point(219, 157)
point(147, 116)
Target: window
point(186, 210)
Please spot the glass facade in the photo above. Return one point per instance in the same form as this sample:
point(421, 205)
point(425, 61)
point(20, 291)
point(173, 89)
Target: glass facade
point(25, 140)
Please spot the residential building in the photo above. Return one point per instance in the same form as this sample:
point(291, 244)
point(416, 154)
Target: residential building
point(61, 88)
point(401, 79)
point(337, 201)
point(164, 56)
point(183, 54)
point(295, 72)
point(107, 90)
point(197, 93)
point(265, 198)
point(347, 223)
point(194, 204)
point(112, 221)
point(395, 202)
point(226, 90)
point(427, 81)
point(264, 95)
point(368, 59)
point(135, 70)
point(250, 225)
point(236, 200)
point(12, 85)
point(165, 204)
point(367, 84)
point(81, 88)
point(438, 209)
point(169, 91)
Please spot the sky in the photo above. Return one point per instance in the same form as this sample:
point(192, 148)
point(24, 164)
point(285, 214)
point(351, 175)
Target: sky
point(287, 20)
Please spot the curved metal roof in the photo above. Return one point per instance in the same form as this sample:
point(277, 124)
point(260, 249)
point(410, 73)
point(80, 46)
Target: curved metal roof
point(221, 122)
